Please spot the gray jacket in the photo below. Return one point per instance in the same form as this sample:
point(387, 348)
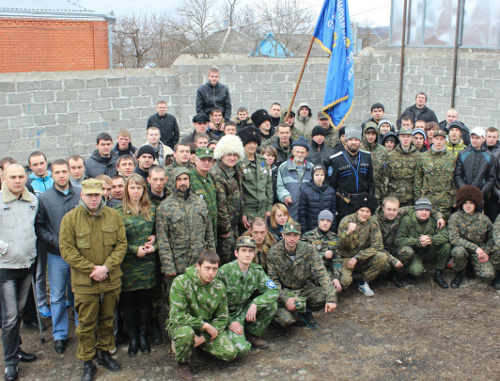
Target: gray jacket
point(17, 229)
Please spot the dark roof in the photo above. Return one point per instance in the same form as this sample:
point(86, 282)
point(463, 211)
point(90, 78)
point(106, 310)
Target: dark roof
point(226, 40)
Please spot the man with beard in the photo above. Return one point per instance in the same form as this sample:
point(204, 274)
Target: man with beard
point(379, 155)
point(182, 154)
point(352, 174)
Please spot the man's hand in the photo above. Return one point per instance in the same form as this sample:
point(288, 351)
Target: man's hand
point(481, 255)
point(425, 240)
point(441, 223)
point(169, 275)
point(290, 304)
point(244, 221)
point(151, 240)
point(336, 285)
point(198, 340)
point(267, 215)
point(288, 200)
point(236, 328)
point(352, 228)
point(329, 307)
point(328, 254)
point(351, 263)
point(99, 273)
point(398, 264)
point(252, 313)
point(210, 330)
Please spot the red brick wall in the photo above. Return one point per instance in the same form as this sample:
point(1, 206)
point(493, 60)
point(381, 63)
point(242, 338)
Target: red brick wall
point(52, 45)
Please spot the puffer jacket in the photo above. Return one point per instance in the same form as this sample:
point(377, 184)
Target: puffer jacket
point(209, 97)
point(97, 165)
point(476, 167)
point(313, 200)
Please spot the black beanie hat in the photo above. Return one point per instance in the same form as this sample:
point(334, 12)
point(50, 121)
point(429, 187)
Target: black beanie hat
point(146, 149)
point(318, 130)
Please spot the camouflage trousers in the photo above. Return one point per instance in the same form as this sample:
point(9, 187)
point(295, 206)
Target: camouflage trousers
point(440, 254)
point(93, 312)
point(403, 255)
point(486, 271)
point(315, 297)
point(226, 246)
point(370, 268)
point(256, 328)
point(183, 340)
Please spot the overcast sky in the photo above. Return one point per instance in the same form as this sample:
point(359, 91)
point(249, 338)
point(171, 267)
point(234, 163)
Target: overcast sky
point(365, 11)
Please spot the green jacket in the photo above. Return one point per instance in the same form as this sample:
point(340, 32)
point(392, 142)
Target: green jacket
point(193, 304)
point(255, 288)
point(323, 242)
point(471, 231)
point(399, 174)
point(87, 240)
point(410, 230)
point(138, 272)
point(169, 170)
point(205, 188)
point(257, 186)
point(306, 269)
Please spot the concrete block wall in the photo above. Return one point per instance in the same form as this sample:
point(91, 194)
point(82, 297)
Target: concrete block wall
point(60, 113)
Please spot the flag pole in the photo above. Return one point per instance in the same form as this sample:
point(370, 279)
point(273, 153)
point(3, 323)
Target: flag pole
point(300, 77)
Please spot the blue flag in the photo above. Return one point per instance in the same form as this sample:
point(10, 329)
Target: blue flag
point(333, 32)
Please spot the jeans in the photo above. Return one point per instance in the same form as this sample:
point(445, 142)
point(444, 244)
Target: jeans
point(41, 273)
point(59, 274)
point(14, 287)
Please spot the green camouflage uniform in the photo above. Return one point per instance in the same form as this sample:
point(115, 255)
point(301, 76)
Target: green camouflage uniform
point(230, 204)
point(323, 242)
point(184, 230)
point(408, 238)
point(299, 277)
point(205, 188)
point(379, 158)
point(434, 175)
point(241, 294)
point(261, 254)
point(138, 272)
point(169, 170)
point(455, 148)
point(399, 174)
point(467, 233)
point(367, 243)
point(191, 306)
point(257, 186)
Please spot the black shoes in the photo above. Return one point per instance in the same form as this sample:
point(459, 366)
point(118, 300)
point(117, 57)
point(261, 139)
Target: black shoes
point(89, 371)
point(105, 359)
point(60, 346)
point(25, 357)
point(438, 278)
point(11, 371)
point(308, 319)
point(34, 325)
point(133, 346)
point(397, 280)
point(455, 283)
point(156, 335)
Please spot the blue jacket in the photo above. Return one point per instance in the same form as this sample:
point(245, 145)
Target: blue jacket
point(40, 184)
point(313, 200)
point(288, 184)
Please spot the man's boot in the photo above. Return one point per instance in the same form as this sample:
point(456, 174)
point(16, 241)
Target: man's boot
point(496, 282)
point(438, 278)
point(105, 359)
point(89, 370)
point(156, 335)
point(257, 342)
point(184, 372)
point(455, 283)
point(395, 277)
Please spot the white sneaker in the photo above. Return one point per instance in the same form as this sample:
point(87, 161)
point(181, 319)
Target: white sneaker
point(365, 289)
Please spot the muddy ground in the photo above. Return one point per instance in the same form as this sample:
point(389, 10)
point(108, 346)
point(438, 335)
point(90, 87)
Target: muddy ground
point(420, 332)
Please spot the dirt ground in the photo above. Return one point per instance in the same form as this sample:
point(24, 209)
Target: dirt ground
point(420, 332)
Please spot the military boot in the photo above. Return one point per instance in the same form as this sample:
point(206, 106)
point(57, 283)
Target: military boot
point(396, 279)
point(496, 283)
point(89, 371)
point(455, 283)
point(438, 278)
point(104, 358)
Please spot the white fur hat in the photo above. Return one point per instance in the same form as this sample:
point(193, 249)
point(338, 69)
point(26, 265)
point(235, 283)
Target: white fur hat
point(229, 144)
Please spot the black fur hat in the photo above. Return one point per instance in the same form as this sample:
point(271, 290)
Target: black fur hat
point(367, 201)
point(470, 193)
point(250, 134)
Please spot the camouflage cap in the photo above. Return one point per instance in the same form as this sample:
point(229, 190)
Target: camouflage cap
point(180, 170)
point(246, 241)
point(291, 227)
point(202, 153)
point(440, 133)
point(91, 186)
point(405, 131)
point(321, 115)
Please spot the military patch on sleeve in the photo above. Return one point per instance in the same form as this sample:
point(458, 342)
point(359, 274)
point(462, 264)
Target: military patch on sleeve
point(270, 284)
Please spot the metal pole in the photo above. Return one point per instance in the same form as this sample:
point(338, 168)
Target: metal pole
point(402, 61)
point(455, 53)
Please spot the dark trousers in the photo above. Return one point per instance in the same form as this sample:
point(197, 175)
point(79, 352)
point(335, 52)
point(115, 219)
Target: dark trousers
point(491, 207)
point(14, 287)
point(136, 309)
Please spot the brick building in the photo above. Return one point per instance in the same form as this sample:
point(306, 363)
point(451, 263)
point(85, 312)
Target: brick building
point(53, 35)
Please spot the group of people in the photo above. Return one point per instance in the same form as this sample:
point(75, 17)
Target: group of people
point(264, 218)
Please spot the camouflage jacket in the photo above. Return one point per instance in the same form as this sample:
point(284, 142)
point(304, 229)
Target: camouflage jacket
point(194, 304)
point(138, 272)
point(455, 148)
point(306, 269)
point(365, 241)
point(410, 230)
point(257, 186)
point(323, 242)
point(399, 174)
point(379, 159)
point(471, 231)
point(496, 232)
point(184, 230)
point(434, 175)
point(261, 254)
point(229, 196)
point(169, 170)
point(205, 188)
point(255, 288)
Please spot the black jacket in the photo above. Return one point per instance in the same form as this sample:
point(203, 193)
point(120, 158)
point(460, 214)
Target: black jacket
point(313, 200)
point(52, 206)
point(282, 154)
point(169, 129)
point(494, 150)
point(209, 97)
point(415, 113)
point(97, 165)
point(350, 176)
point(190, 137)
point(131, 150)
point(476, 167)
point(320, 155)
